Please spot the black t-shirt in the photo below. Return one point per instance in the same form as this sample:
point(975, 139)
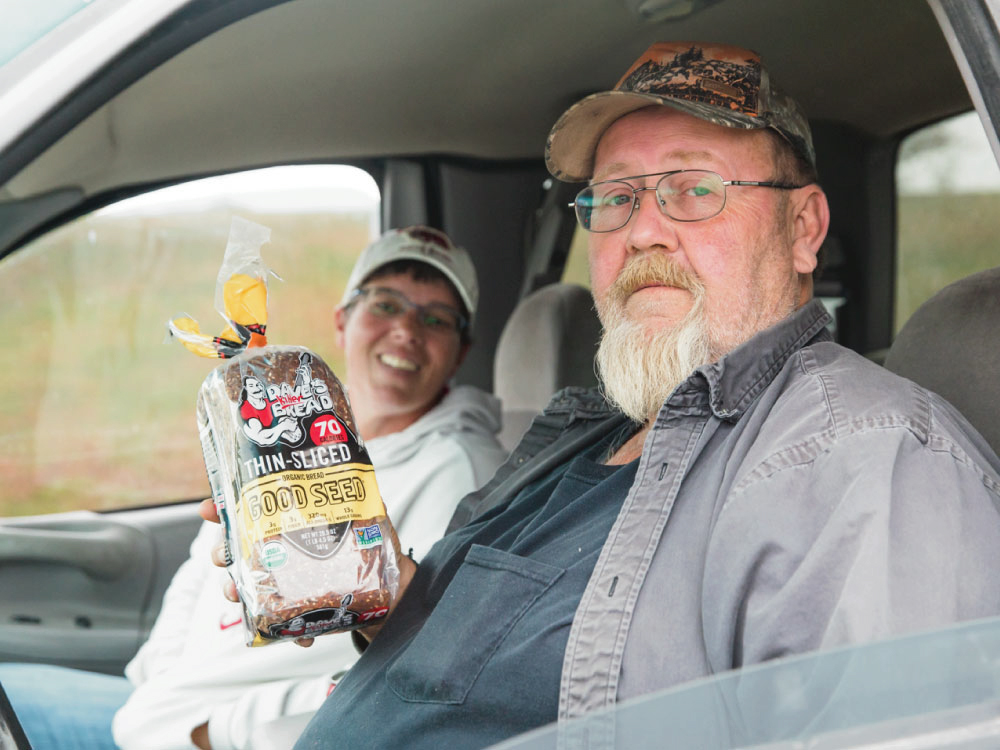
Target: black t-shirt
point(473, 653)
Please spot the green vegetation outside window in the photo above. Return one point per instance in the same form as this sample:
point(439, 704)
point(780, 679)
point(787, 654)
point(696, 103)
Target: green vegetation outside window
point(948, 187)
point(98, 406)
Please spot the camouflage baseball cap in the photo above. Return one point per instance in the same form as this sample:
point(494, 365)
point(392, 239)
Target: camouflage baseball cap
point(720, 83)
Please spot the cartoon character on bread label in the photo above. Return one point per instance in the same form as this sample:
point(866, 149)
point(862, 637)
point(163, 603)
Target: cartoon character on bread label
point(259, 425)
point(295, 627)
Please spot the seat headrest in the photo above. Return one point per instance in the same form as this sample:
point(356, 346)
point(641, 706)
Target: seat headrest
point(951, 345)
point(548, 343)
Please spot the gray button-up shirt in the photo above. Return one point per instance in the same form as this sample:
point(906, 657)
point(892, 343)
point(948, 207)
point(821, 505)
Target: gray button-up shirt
point(792, 496)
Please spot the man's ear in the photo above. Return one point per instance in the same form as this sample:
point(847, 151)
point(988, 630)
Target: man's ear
point(340, 321)
point(810, 222)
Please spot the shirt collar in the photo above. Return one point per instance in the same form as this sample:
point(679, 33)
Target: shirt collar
point(741, 375)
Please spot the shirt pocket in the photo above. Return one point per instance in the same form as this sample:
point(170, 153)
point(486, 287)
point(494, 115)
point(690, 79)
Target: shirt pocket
point(488, 595)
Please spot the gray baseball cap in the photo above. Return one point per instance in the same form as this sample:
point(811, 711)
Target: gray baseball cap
point(426, 245)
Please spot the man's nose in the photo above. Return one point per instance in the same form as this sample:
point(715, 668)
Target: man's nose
point(650, 228)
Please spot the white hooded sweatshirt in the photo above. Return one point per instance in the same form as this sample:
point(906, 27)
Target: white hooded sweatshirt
point(195, 666)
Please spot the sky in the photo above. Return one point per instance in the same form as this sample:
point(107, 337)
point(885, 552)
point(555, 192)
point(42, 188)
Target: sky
point(966, 164)
point(299, 189)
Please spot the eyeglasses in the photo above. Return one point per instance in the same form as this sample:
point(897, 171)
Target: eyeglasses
point(381, 302)
point(683, 195)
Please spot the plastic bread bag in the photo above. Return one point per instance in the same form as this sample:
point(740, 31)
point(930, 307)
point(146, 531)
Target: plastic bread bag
point(307, 541)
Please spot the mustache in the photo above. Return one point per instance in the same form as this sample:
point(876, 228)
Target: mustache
point(653, 268)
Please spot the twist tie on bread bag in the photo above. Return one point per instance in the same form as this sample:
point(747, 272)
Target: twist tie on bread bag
point(240, 297)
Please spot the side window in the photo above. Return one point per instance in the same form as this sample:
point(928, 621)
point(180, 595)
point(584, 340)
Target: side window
point(948, 188)
point(98, 405)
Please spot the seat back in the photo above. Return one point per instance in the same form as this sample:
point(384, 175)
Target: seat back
point(548, 343)
point(951, 345)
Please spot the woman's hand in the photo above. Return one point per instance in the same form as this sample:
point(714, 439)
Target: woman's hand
point(407, 568)
point(199, 737)
point(207, 511)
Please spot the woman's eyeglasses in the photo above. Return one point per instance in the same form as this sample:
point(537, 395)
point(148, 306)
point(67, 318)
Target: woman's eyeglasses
point(384, 303)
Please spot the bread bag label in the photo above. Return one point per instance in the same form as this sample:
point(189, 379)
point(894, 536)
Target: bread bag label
point(297, 495)
point(303, 473)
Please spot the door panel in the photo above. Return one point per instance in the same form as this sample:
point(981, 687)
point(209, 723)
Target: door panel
point(83, 589)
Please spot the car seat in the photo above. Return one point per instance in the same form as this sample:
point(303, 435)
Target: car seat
point(548, 343)
point(951, 345)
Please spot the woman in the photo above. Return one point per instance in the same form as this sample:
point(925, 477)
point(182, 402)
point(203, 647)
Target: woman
point(404, 324)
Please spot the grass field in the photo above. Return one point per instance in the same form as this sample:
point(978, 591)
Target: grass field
point(943, 238)
point(98, 409)
point(98, 405)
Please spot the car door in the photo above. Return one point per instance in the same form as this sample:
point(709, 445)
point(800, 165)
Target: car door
point(81, 587)
point(98, 503)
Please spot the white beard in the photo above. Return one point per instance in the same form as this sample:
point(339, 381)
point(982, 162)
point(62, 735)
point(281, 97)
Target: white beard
point(641, 366)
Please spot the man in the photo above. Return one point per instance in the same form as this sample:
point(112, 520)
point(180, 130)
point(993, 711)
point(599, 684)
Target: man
point(755, 491)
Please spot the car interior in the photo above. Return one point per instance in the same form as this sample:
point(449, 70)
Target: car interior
point(446, 106)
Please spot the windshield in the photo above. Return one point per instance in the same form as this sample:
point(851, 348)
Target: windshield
point(27, 21)
point(931, 690)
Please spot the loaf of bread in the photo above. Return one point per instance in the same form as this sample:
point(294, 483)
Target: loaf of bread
point(307, 540)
